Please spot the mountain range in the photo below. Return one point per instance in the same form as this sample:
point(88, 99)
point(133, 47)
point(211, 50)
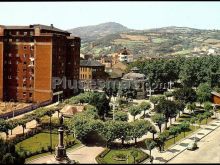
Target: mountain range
point(110, 37)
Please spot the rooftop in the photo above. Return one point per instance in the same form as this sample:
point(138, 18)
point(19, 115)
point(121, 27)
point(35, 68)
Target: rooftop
point(216, 93)
point(44, 27)
point(90, 62)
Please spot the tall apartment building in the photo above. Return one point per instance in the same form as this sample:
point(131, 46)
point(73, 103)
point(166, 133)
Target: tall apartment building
point(30, 56)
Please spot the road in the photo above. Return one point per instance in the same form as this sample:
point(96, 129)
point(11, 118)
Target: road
point(208, 151)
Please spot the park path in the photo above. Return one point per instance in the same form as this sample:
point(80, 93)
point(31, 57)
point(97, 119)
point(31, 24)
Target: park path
point(83, 154)
point(30, 125)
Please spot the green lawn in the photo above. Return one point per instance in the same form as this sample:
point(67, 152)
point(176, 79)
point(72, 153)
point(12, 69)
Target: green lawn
point(183, 117)
point(204, 121)
point(170, 142)
point(48, 153)
point(39, 141)
point(109, 157)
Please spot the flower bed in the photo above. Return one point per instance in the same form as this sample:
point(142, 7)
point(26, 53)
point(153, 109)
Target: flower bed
point(120, 156)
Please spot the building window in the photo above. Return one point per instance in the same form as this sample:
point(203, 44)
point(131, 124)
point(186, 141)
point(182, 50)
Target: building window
point(24, 55)
point(32, 47)
point(30, 94)
point(17, 55)
point(9, 54)
point(9, 77)
point(25, 47)
point(25, 33)
point(17, 62)
point(17, 40)
point(17, 33)
point(10, 39)
point(24, 94)
point(31, 33)
point(25, 63)
point(9, 62)
point(24, 85)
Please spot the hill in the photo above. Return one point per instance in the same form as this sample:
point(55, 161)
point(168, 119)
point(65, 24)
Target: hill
point(93, 32)
point(172, 40)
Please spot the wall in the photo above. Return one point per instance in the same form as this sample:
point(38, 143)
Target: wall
point(43, 69)
point(216, 99)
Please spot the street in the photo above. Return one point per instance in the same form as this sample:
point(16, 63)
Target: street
point(208, 151)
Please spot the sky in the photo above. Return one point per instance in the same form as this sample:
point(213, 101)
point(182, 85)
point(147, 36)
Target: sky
point(135, 15)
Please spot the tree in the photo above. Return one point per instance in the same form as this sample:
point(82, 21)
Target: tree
point(122, 130)
point(23, 124)
point(139, 128)
point(186, 94)
point(145, 106)
point(121, 116)
point(184, 126)
point(100, 101)
point(167, 108)
point(152, 129)
point(180, 105)
point(4, 126)
point(80, 125)
point(203, 92)
point(8, 159)
point(161, 139)
point(191, 107)
point(200, 117)
point(154, 100)
point(134, 111)
point(175, 130)
point(50, 114)
point(207, 106)
point(150, 145)
point(168, 94)
point(109, 132)
point(159, 119)
point(134, 154)
point(8, 154)
point(91, 111)
point(206, 115)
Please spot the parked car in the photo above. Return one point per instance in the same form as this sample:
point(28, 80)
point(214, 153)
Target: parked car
point(192, 146)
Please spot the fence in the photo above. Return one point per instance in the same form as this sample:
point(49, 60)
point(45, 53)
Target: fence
point(25, 109)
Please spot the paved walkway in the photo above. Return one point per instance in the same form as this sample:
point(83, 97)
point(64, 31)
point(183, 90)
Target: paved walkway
point(83, 154)
point(29, 125)
point(181, 146)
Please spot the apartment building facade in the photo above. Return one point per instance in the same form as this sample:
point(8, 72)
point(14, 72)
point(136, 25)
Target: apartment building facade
point(92, 70)
point(31, 56)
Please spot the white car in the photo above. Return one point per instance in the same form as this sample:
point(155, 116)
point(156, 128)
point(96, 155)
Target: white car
point(192, 146)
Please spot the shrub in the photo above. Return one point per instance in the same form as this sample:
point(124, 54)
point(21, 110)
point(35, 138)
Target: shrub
point(105, 152)
point(141, 159)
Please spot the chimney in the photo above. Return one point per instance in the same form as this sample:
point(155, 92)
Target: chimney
point(51, 26)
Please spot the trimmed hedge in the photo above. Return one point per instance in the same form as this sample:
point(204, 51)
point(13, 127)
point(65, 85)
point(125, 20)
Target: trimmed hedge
point(100, 160)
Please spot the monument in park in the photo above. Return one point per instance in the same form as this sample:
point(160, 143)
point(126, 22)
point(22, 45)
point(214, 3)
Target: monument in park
point(60, 151)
